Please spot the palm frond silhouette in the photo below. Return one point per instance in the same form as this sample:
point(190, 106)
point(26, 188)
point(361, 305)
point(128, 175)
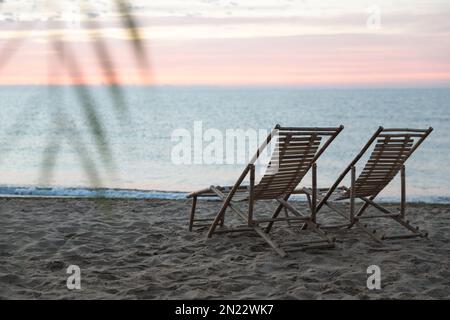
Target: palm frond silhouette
point(69, 62)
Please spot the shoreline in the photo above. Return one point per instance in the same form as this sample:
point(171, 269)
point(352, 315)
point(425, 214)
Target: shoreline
point(187, 200)
point(125, 194)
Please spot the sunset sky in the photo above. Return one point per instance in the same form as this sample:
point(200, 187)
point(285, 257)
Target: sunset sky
point(321, 43)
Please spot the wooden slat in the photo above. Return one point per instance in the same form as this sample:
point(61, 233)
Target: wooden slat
point(417, 135)
point(380, 166)
point(273, 244)
point(298, 157)
point(404, 129)
point(309, 129)
point(392, 147)
point(290, 165)
point(390, 152)
point(281, 174)
point(296, 141)
point(395, 140)
point(289, 171)
point(388, 156)
point(321, 133)
point(386, 160)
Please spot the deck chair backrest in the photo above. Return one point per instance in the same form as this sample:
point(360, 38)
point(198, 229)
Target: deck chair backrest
point(295, 150)
point(392, 148)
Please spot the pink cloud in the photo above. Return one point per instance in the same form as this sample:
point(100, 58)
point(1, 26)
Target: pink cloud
point(330, 60)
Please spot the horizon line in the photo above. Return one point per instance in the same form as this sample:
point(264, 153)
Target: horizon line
point(293, 86)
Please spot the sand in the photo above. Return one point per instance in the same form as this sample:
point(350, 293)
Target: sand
point(141, 249)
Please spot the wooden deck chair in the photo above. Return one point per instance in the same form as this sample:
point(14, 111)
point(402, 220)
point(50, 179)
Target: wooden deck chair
point(392, 148)
point(295, 153)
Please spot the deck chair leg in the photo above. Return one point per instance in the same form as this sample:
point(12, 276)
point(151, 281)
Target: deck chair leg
point(308, 198)
point(222, 221)
point(360, 211)
point(275, 215)
point(329, 205)
point(314, 193)
point(271, 242)
point(309, 222)
point(251, 200)
point(403, 192)
point(405, 223)
point(352, 194)
point(227, 200)
point(399, 219)
point(217, 220)
point(191, 218)
point(313, 226)
point(371, 233)
point(287, 216)
point(254, 227)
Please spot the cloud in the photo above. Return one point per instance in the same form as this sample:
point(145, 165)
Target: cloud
point(249, 42)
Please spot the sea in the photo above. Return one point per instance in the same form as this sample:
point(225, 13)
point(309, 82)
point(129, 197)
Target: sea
point(120, 141)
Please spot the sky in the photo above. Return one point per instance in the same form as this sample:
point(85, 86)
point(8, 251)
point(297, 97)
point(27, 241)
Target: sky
point(321, 43)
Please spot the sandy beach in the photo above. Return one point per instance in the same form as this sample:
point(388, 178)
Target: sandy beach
point(142, 249)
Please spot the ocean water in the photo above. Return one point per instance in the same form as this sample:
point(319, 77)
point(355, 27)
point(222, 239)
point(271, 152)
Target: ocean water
point(47, 146)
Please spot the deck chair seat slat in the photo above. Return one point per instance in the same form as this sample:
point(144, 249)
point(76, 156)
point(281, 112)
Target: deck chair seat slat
point(411, 135)
point(395, 139)
point(279, 171)
point(392, 148)
point(385, 156)
point(374, 176)
point(288, 171)
point(295, 157)
point(279, 178)
point(379, 168)
point(390, 152)
point(297, 140)
point(304, 133)
point(308, 129)
point(392, 162)
point(277, 189)
point(383, 173)
point(298, 152)
point(390, 145)
point(404, 130)
point(288, 165)
point(277, 181)
point(369, 182)
point(296, 149)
